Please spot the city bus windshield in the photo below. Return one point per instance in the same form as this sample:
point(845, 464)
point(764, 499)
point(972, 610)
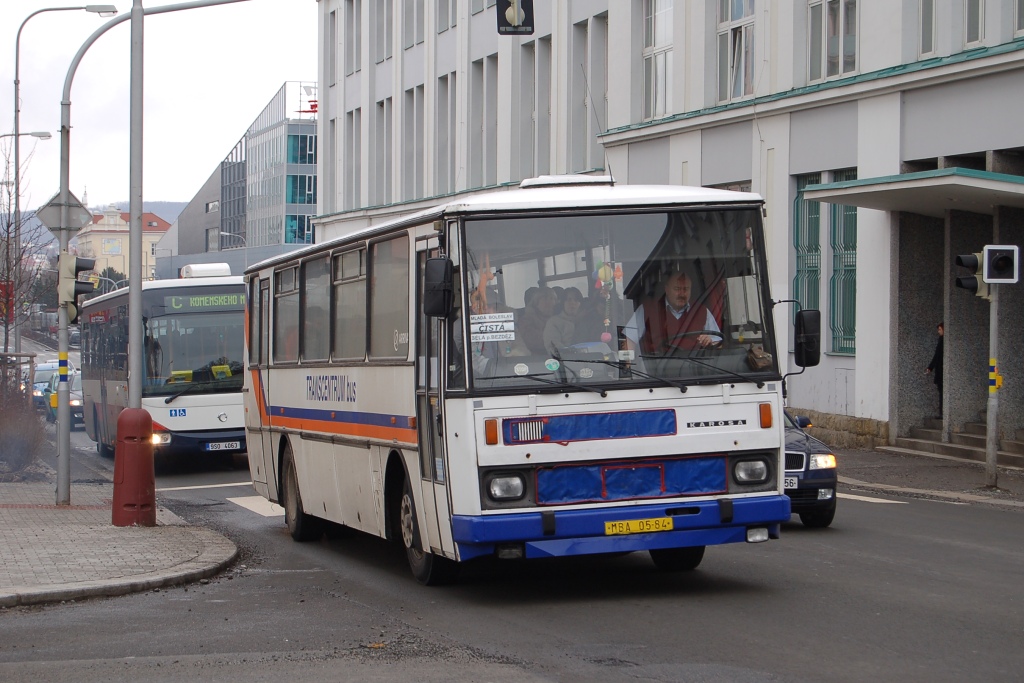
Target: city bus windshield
point(193, 341)
point(612, 300)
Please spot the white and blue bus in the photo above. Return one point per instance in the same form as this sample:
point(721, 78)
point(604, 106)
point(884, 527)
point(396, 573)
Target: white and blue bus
point(193, 364)
point(484, 378)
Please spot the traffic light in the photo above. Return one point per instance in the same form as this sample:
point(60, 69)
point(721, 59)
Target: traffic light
point(1001, 264)
point(69, 287)
point(972, 283)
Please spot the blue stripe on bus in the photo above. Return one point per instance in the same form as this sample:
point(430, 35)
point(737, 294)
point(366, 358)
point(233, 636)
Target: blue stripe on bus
point(581, 532)
point(350, 417)
point(607, 482)
point(589, 427)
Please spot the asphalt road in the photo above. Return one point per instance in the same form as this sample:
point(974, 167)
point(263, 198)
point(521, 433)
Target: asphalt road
point(900, 588)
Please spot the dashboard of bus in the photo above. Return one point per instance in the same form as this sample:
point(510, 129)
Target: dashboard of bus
point(604, 301)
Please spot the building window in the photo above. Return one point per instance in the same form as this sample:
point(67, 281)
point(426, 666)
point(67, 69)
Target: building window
point(657, 58)
point(974, 21)
point(412, 23)
point(447, 14)
point(807, 244)
point(735, 49)
point(928, 27)
point(1018, 17)
point(446, 134)
point(383, 21)
point(298, 229)
point(383, 145)
point(843, 283)
point(832, 36)
point(332, 49)
point(353, 36)
point(483, 122)
point(302, 149)
point(412, 141)
point(300, 189)
point(213, 207)
point(353, 158)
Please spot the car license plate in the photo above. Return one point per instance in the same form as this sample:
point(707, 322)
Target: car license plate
point(790, 482)
point(223, 445)
point(638, 526)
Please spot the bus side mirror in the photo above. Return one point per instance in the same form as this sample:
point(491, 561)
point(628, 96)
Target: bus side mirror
point(807, 339)
point(437, 287)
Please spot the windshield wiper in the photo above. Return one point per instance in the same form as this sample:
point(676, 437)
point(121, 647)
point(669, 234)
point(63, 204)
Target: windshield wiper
point(536, 377)
point(620, 365)
point(738, 376)
point(189, 387)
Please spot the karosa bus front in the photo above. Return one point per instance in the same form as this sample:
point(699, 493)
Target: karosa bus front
point(558, 480)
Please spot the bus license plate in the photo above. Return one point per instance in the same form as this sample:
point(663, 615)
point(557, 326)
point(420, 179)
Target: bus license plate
point(638, 526)
point(790, 482)
point(223, 445)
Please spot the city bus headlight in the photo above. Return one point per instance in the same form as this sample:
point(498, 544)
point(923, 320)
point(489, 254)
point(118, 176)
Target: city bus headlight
point(822, 461)
point(506, 487)
point(160, 438)
point(751, 471)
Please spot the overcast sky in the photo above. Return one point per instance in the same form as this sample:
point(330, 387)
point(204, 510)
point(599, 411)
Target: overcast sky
point(208, 73)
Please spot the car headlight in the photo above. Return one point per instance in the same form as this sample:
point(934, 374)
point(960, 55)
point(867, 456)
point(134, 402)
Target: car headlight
point(751, 471)
point(160, 438)
point(76, 401)
point(506, 487)
point(822, 461)
point(37, 392)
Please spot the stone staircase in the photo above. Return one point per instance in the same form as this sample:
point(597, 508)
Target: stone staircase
point(966, 445)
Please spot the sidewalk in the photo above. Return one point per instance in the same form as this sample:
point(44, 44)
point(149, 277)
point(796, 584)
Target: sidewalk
point(51, 553)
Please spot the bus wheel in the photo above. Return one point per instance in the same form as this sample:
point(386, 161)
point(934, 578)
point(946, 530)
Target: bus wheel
point(677, 559)
point(428, 568)
point(301, 526)
point(103, 449)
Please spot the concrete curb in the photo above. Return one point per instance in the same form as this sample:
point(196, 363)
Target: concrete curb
point(218, 552)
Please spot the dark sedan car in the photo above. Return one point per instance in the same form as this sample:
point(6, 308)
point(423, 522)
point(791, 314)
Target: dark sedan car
point(810, 478)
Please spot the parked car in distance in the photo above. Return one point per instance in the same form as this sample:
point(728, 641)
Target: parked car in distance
point(811, 477)
point(75, 401)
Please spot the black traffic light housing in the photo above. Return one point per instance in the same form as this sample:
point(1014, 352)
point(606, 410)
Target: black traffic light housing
point(974, 282)
point(69, 287)
point(1001, 264)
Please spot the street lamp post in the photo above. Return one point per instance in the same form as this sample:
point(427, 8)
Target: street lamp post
point(135, 227)
point(245, 246)
point(103, 11)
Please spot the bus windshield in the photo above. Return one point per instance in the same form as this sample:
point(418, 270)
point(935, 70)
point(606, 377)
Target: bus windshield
point(612, 300)
point(193, 342)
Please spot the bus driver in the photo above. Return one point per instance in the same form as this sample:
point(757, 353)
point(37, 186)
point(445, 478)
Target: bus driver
point(672, 322)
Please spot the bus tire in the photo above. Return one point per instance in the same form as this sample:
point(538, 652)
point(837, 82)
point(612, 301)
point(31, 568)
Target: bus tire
point(428, 568)
point(103, 449)
point(301, 526)
point(678, 559)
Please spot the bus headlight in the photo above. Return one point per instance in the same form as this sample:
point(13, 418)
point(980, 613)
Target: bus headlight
point(506, 487)
point(160, 438)
point(751, 471)
point(822, 461)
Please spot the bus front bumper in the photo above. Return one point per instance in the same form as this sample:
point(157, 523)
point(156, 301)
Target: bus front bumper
point(562, 533)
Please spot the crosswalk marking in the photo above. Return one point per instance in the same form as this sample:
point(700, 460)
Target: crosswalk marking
point(259, 505)
point(871, 500)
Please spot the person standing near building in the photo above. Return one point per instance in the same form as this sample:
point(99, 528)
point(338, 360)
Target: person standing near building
point(935, 367)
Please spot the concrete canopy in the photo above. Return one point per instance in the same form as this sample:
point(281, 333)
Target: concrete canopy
point(929, 193)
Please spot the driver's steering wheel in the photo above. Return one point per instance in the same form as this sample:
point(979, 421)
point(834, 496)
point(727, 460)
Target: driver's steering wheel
point(667, 348)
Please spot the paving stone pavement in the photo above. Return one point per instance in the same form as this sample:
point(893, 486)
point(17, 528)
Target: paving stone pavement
point(50, 553)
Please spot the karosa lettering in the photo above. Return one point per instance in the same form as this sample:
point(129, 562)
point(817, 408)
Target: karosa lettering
point(330, 388)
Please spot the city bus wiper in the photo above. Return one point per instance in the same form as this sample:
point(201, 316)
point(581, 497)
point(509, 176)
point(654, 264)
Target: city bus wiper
point(189, 387)
point(620, 365)
point(737, 375)
point(537, 377)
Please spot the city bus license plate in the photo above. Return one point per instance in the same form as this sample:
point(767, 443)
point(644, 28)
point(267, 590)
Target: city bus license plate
point(223, 445)
point(638, 526)
point(790, 482)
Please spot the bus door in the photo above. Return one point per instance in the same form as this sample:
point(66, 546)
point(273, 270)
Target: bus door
point(433, 463)
point(262, 464)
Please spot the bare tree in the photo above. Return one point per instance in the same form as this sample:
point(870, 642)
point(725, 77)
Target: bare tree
point(23, 247)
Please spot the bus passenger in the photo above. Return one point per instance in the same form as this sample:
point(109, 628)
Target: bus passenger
point(531, 326)
point(560, 330)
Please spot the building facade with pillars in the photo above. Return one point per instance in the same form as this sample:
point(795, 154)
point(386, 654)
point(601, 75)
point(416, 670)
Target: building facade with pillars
point(106, 240)
point(878, 131)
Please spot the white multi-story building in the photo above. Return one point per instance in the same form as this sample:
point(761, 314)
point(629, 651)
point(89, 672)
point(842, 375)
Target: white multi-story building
point(883, 134)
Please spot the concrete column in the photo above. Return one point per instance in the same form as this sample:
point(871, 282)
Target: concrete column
point(917, 300)
point(966, 346)
point(1009, 229)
